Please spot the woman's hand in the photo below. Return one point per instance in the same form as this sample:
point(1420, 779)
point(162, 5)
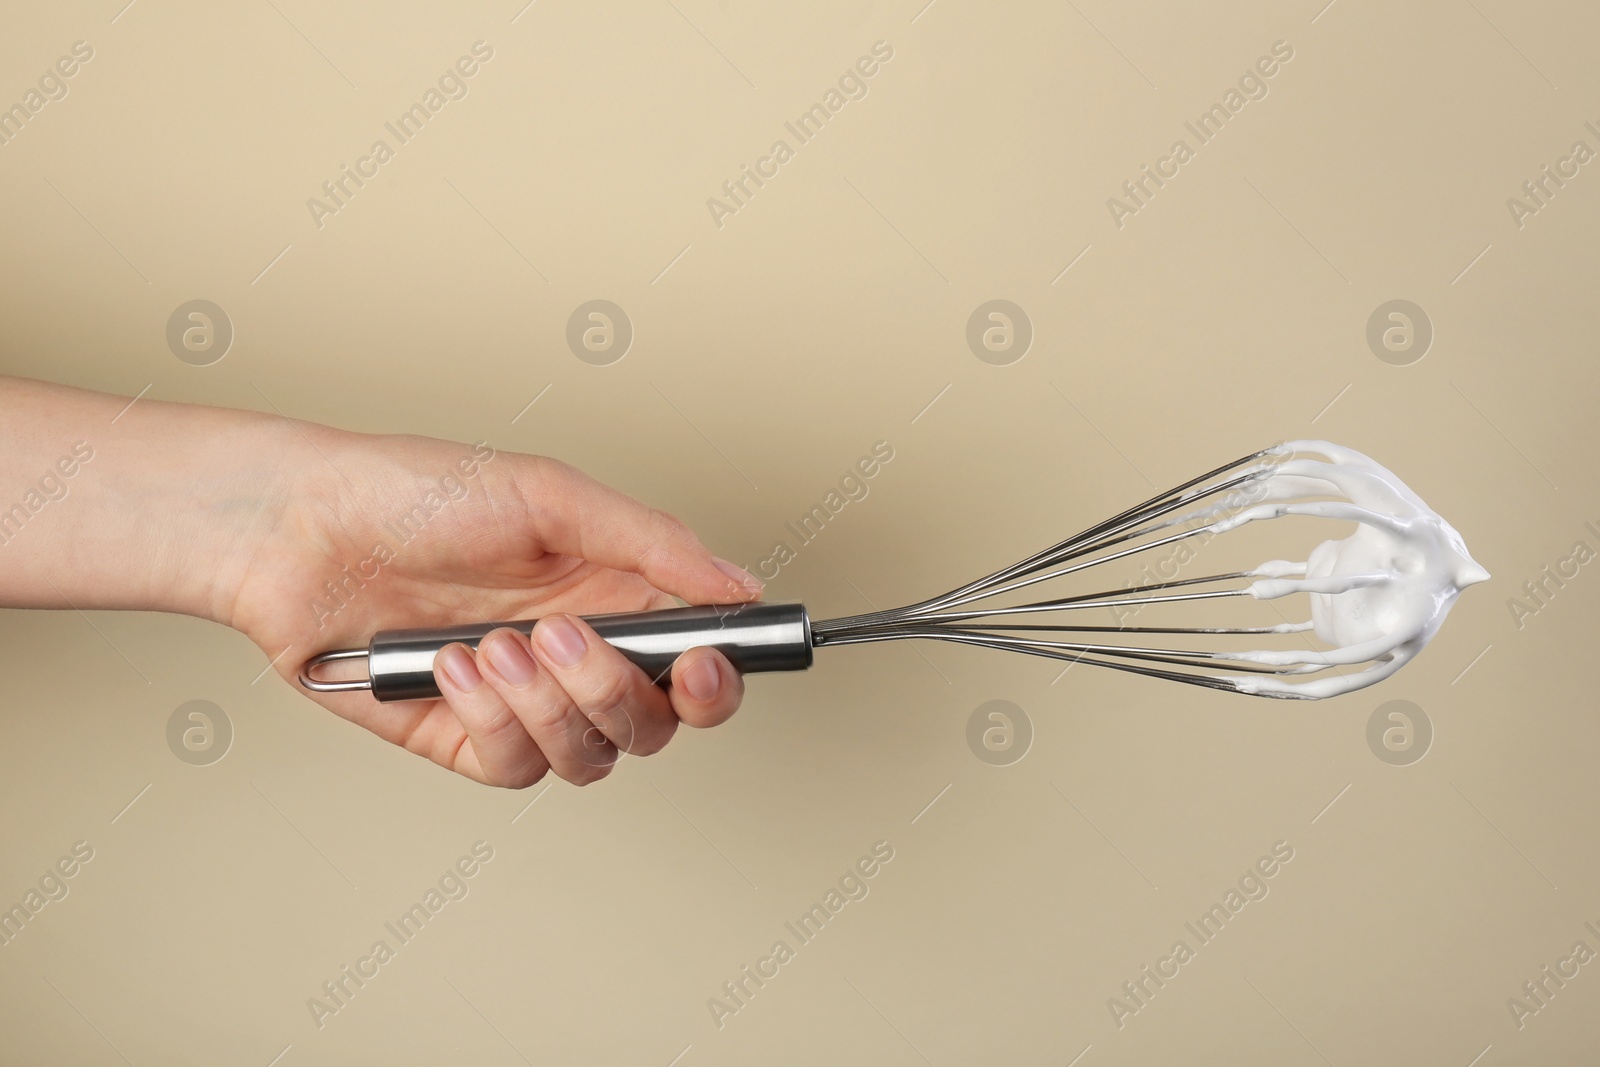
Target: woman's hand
point(307, 538)
point(399, 532)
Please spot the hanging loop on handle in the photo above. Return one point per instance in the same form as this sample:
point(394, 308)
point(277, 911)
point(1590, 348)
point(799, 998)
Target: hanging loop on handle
point(311, 682)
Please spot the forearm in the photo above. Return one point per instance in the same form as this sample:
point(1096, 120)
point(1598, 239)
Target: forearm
point(152, 506)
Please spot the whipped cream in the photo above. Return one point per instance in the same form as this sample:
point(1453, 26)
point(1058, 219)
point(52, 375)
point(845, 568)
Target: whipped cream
point(1377, 597)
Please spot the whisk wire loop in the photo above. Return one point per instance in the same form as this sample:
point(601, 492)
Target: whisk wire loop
point(969, 615)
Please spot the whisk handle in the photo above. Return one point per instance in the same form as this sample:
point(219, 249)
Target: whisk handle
point(754, 637)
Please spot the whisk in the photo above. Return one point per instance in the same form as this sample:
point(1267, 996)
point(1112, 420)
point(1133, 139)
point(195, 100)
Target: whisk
point(1377, 596)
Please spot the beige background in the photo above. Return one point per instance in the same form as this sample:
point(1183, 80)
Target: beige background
point(770, 354)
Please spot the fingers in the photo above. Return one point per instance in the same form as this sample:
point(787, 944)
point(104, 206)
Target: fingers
point(567, 701)
point(619, 698)
point(706, 690)
point(578, 751)
point(575, 515)
point(505, 755)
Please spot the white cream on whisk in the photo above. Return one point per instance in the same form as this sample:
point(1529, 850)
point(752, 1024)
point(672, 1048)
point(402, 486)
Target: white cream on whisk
point(1377, 596)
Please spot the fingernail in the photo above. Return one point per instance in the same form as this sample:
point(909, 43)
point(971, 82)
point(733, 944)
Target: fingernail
point(560, 640)
point(510, 657)
point(738, 575)
point(457, 665)
point(702, 679)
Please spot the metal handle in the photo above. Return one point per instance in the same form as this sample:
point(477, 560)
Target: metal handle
point(754, 637)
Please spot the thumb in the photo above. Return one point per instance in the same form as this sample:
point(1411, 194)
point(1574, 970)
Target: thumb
point(575, 515)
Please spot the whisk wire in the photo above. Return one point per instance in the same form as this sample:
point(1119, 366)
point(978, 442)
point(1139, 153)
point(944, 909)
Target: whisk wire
point(1139, 529)
point(1118, 529)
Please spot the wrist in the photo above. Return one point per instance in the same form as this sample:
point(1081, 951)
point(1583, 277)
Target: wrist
point(250, 476)
point(187, 498)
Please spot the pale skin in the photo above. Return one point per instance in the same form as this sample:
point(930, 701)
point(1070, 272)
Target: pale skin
point(243, 518)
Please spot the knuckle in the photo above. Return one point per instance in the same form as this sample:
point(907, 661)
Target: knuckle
point(526, 775)
point(613, 694)
point(652, 741)
point(614, 723)
point(545, 712)
point(546, 473)
point(592, 746)
point(667, 530)
point(588, 774)
point(499, 725)
point(665, 523)
point(552, 465)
